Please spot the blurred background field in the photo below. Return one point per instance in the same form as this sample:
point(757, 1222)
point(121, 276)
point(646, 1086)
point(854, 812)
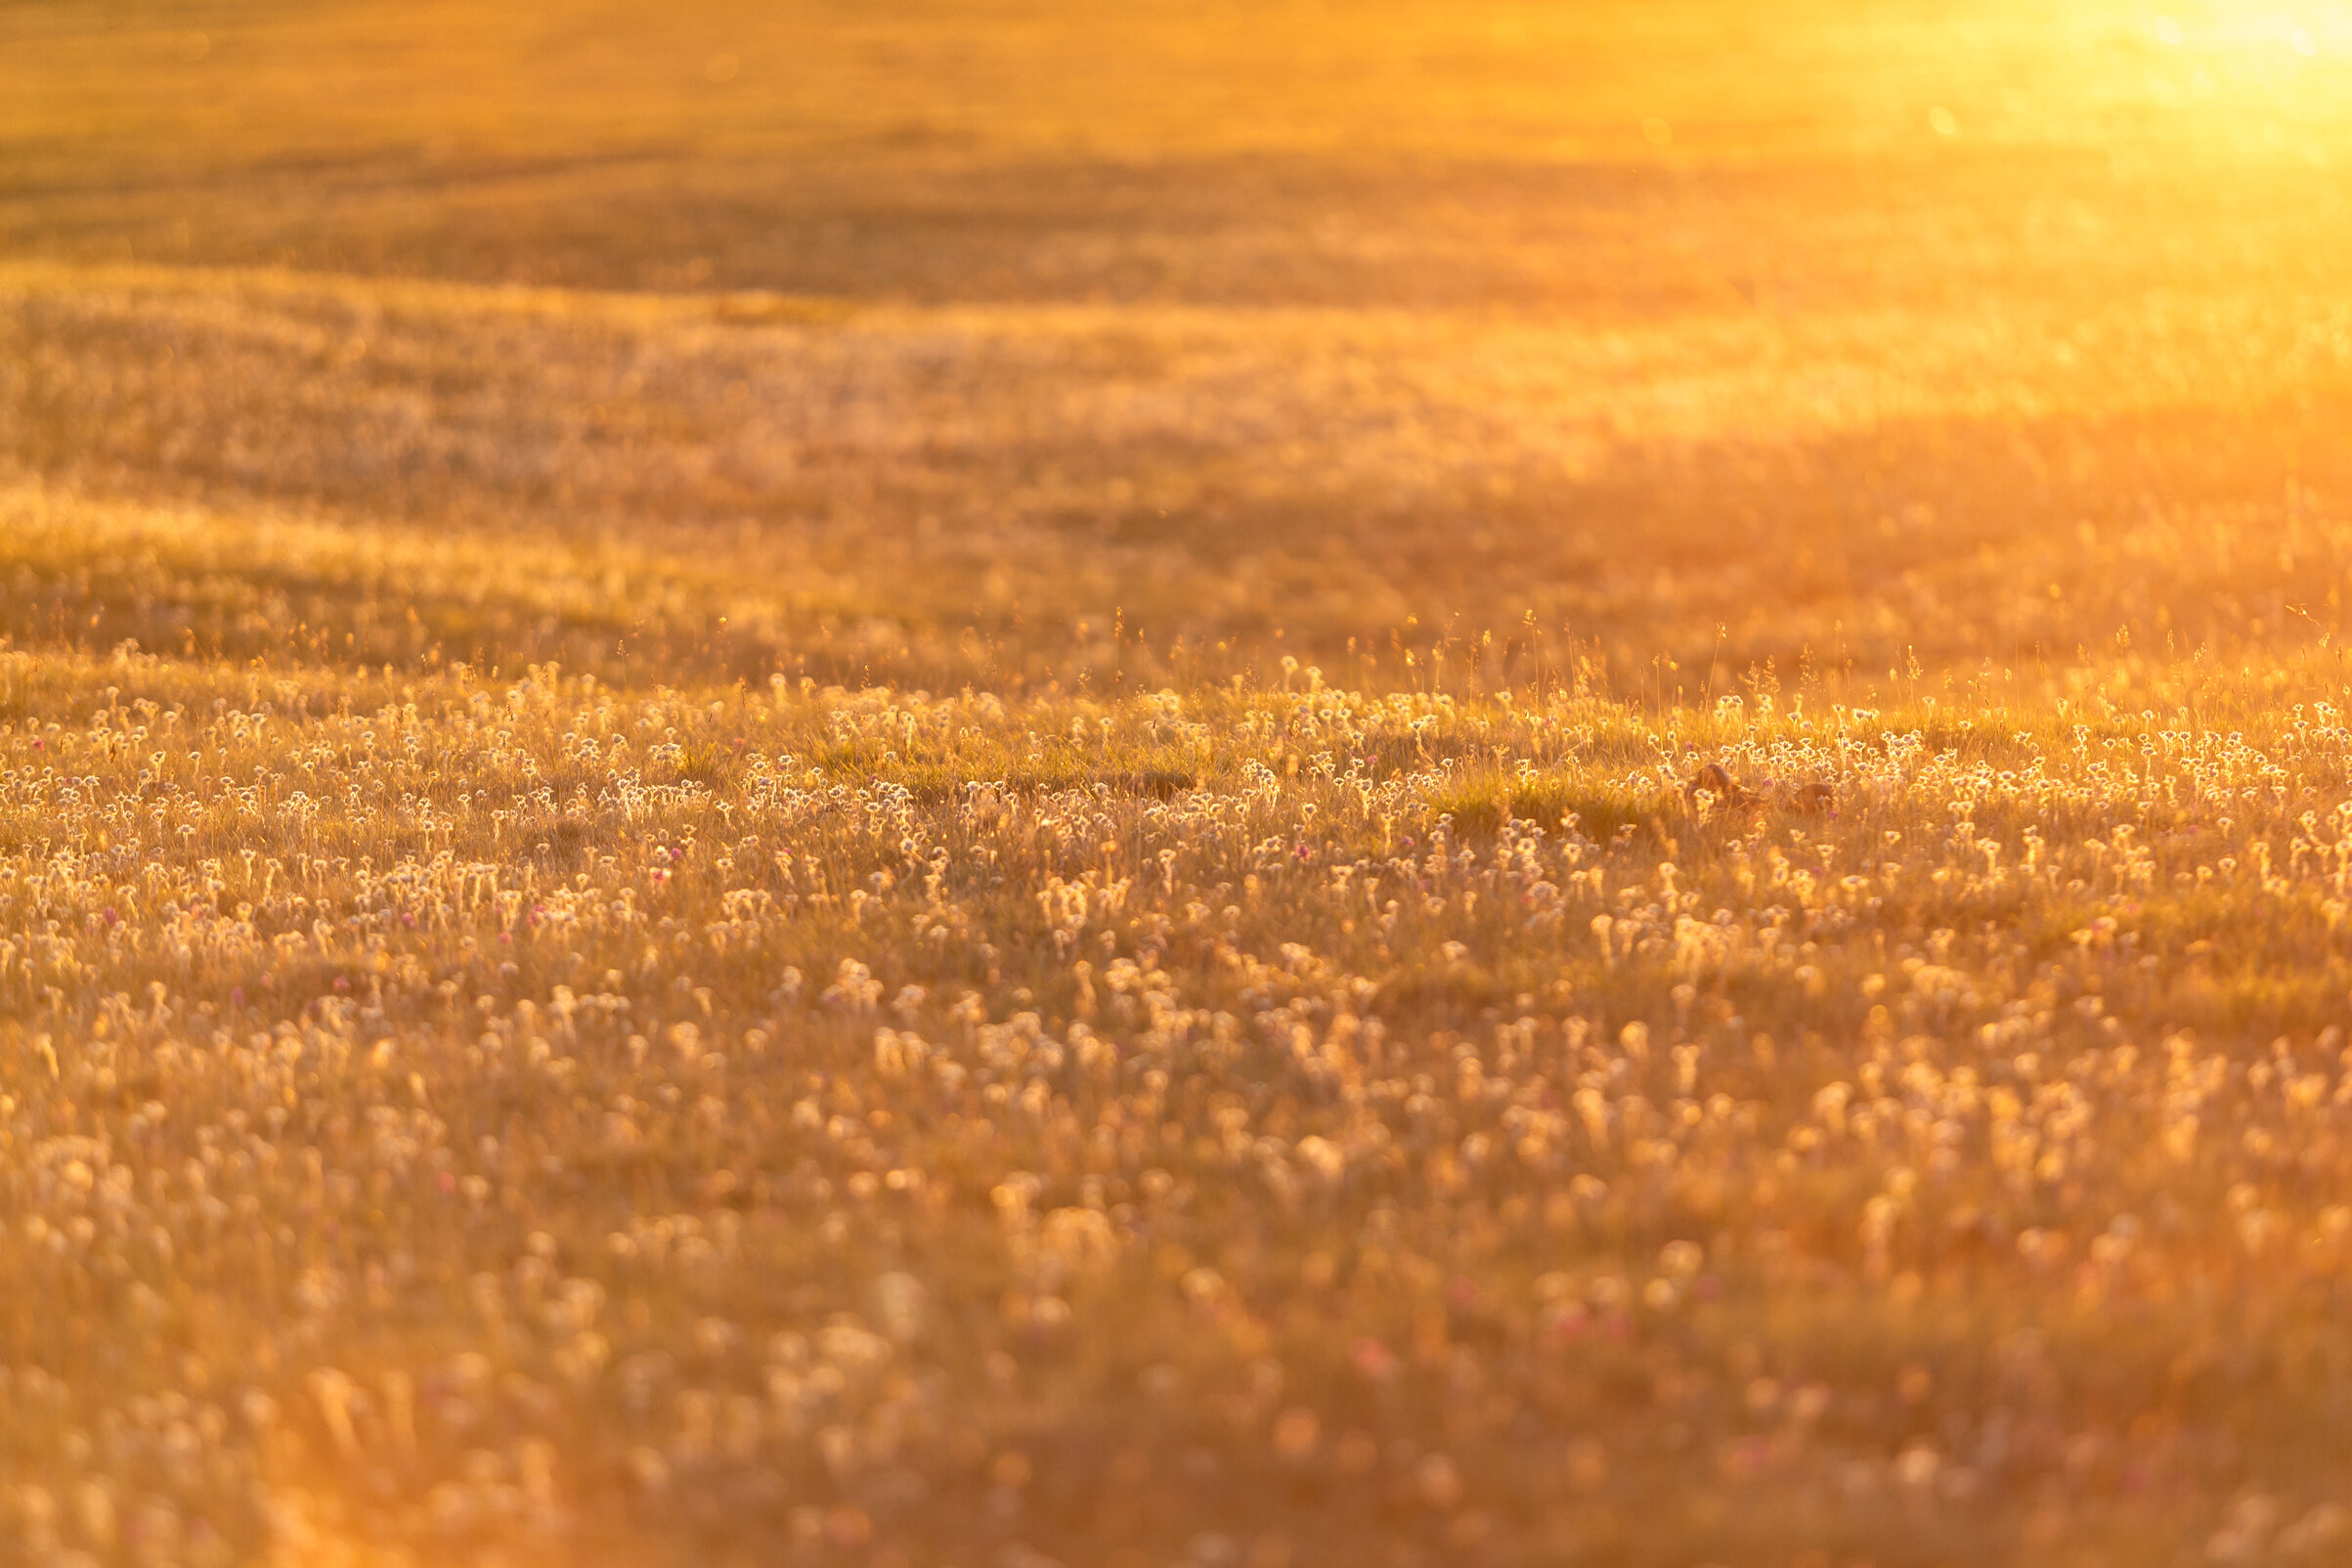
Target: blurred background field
point(901, 786)
point(1643, 332)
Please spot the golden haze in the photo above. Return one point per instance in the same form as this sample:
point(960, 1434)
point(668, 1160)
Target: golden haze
point(906, 787)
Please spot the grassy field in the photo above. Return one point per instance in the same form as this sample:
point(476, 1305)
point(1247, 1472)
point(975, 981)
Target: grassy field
point(906, 787)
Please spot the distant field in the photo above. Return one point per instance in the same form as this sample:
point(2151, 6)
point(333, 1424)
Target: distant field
point(781, 784)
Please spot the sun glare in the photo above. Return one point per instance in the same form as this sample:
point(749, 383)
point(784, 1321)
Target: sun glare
point(2306, 49)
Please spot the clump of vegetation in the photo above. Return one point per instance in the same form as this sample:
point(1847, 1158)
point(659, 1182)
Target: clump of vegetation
point(1483, 801)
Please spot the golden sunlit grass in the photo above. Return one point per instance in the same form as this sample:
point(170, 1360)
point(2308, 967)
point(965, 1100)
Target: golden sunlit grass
point(915, 791)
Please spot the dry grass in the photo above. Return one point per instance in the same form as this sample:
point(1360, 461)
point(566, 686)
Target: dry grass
point(914, 792)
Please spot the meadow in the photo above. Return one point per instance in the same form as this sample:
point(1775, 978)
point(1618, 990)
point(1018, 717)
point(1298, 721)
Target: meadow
point(911, 788)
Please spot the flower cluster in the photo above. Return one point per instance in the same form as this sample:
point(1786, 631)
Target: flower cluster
point(504, 1118)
